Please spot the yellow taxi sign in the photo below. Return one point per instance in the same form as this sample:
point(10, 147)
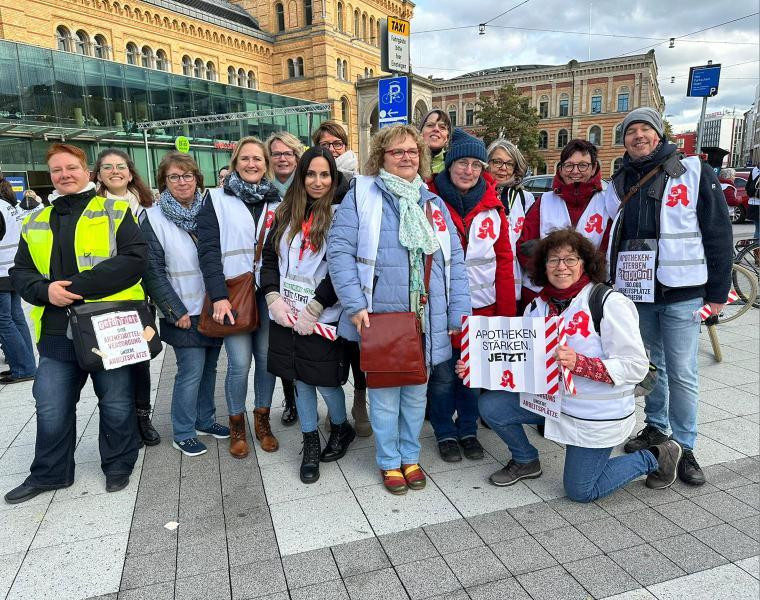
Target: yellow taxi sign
point(398, 26)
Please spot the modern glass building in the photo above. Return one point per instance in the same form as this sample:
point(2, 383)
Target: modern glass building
point(48, 95)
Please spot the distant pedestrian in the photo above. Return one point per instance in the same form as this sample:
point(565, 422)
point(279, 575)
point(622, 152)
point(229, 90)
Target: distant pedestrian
point(435, 129)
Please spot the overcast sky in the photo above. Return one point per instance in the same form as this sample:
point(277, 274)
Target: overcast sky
point(450, 53)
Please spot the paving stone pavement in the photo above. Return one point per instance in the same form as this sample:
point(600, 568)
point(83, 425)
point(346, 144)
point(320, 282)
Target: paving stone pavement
point(249, 529)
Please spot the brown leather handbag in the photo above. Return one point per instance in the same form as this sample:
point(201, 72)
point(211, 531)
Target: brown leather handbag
point(241, 292)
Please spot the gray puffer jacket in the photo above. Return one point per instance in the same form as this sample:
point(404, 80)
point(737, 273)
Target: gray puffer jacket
point(391, 290)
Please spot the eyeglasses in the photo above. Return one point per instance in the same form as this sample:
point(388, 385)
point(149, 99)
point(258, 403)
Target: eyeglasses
point(107, 168)
point(582, 167)
point(174, 178)
point(463, 164)
point(399, 153)
point(502, 164)
point(570, 261)
point(336, 145)
point(286, 154)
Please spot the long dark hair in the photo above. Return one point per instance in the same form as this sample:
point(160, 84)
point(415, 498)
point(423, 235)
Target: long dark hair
point(7, 193)
point(136, 186)
point(292, 211)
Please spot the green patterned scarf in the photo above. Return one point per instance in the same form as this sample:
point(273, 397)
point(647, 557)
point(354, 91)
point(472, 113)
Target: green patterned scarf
point(414, 233)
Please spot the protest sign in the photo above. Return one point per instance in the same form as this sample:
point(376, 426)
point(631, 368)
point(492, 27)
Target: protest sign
point(545, 405)
point(297, 292)
point(120, 339)
point(635, 269)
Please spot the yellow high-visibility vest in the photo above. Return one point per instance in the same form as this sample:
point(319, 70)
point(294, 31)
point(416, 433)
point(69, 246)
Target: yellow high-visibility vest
point(94, 242)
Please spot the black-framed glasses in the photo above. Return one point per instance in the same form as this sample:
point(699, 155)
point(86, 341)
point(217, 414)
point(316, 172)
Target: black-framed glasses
point(336, 145)
point(174, 177)
point(497, 163)
point(570, 261)
point(285, 154)
point(582, 167)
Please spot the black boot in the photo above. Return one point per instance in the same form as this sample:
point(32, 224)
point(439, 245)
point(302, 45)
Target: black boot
point(310, 460)
point(340, 437)
point(148, 435)
point(290, 414)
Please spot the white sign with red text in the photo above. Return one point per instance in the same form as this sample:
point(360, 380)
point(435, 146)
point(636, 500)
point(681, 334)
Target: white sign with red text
point(120, 339)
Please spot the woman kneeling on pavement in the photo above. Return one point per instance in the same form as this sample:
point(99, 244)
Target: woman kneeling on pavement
point(175, 283)
point(481, 223)
point(381, 224)
point(606, 366)
point(294, 259)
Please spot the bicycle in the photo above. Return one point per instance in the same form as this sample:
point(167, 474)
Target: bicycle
point(747, 255)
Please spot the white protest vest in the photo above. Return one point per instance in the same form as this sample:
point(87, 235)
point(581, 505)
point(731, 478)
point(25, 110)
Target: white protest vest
point(310, 269)
point(9, 243)
point(238, 233)
point(480, 259)
point(181, 258)
point(594, 400)
point(369, 208)
point(680, 253)
point(516, 220)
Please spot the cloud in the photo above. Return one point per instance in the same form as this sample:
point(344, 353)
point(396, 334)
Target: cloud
point(450, 53)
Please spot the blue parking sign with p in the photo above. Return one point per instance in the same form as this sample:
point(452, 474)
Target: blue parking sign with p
point(392, 101)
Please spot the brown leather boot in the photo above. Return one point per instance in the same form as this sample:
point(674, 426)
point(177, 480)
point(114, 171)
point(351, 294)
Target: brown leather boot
point(359, 412)
point(238, 441)
point(263, 431)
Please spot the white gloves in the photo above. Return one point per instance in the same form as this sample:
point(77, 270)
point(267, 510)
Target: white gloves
point(307, 318)
point(278, 309)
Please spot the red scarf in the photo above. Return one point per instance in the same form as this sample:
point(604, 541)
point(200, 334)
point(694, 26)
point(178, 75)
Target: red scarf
point(549, 292)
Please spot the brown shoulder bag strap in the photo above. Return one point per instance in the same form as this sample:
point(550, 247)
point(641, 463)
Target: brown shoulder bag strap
point(262, 233)
point(636, 187)
point(428, 257)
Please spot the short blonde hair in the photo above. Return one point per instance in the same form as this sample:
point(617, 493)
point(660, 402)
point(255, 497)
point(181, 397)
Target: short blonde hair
point(251, 139)
point(727, 174)
point(385, 138)
point(521, 165)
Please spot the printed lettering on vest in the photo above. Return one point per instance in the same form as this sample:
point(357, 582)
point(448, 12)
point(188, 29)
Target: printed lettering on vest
point(678, 193)
point(439, 220)
point(507, 380)
point(594, 223)
point(519, 222)
point(579, 324)
point(487, 229)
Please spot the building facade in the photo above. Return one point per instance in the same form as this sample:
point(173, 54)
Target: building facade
point(686, 142)
point(88, 70)
point(725, 129)
point(586, 100)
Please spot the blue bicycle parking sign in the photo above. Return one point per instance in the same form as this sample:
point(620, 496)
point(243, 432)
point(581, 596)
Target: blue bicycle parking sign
point(392, 96)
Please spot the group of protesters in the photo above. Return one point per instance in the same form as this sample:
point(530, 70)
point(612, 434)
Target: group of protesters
point(436, 226)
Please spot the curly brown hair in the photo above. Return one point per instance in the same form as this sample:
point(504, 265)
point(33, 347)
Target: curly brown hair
point(388, 136)
point(594, 262)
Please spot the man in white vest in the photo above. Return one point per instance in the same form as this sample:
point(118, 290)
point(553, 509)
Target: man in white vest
point(670, 251)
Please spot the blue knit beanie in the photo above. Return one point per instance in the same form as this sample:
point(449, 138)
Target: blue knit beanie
point(464, 145)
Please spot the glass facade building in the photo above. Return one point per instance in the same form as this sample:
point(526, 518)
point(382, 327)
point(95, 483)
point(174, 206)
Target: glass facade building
point(47, 95)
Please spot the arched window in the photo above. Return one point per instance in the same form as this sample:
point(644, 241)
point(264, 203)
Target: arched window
point(307, 12)
point(372, 30)
point(595, 135)
point(339, 69)
point(291, 68)
point(187, 66)
point(232, 76)
point(132, 53)
point(366, 72)
point(452, 115)
point(146, 57)
point(357, 19)
point(280, 12)
point(562, 138)
point(241, 77)
point(63, 38)
point(543, 107)
point(564, 105)
point(543, 140)
point(101, 47)
point(619, 134)
point(617, 164)
point(340, 17)
point(299, 67)
point(83, 43)
point(199, 68)
point(345, 70)
point(162, 60)
point(344, 109)
point(251, 80)
point(210, 71)
point(372, 72)
point(365, 37)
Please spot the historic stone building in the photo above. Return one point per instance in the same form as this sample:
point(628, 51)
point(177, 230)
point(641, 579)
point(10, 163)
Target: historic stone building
point(578, 100)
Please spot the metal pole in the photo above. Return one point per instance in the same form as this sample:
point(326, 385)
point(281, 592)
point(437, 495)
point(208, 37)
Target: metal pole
point(147, 158)
point(701, 131)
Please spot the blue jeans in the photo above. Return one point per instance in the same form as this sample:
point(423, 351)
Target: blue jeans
point(306, 402)
point(240, 348)
point(56, 392)
point(590, 473)
point(14, 336)
point(193, 397)
point(671, 336)
point(396, 415)
point(448, 394)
